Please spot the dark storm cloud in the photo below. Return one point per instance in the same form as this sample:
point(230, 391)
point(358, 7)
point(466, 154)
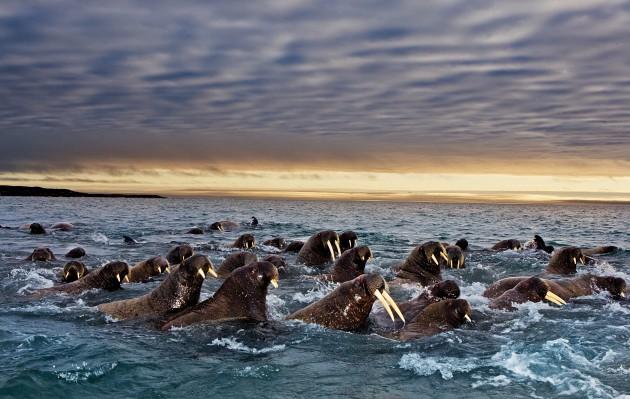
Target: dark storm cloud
point(376, 85)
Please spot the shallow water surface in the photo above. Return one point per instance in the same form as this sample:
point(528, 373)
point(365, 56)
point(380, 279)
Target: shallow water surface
point(64, 347)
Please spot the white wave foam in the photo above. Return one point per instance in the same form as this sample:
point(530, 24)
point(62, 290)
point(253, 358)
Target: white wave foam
point(234, 345)
point(82, 372)
point(313, 294)
point(100, 238)
point(446, 366)
point(276, 307)
point(497, 381)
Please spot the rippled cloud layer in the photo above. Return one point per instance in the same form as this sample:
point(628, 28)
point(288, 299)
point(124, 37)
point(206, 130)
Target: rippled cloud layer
point(415, 86)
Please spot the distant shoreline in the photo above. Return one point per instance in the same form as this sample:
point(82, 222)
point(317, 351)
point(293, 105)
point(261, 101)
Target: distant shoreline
point(26, 191)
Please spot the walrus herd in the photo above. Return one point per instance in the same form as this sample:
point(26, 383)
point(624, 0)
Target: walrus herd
point(339, 260)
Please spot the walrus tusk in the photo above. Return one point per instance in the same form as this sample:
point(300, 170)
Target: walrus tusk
point(66, 275)
point(330, 248)
point(382, 300)
point(443, 255)
point(126, 279)
point(622, 295)
point(337, 245)
point(551, 297)
point(118, 277)
point(354, 243)
point(212, 272)
point(274, 282)
point(435, 259)
point(159, 269)
point(582, 260)
point(390, 300)
point(168, 267)
point(457, 263)
point(467, 318)
point(221, 228)
point(450, 263)
point(201, 273)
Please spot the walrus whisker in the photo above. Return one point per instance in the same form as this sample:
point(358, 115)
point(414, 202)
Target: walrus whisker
point(390, 300)
point(551, 297)
point(330, 248)
point(382, 300)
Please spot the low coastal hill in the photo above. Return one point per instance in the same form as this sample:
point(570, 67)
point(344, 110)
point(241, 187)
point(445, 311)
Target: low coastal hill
point(25, 191)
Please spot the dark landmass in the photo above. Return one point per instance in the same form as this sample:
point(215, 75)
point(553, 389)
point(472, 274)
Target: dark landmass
point(24, 191)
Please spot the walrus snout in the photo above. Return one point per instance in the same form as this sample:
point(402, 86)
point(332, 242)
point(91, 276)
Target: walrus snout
point(617, 287)
point(348, 239)
point(538, 290)
point(377, 286)
point(113, 274)
point(198, 265)
point(73, 271)
point(245, 241)
point(180, 253)
point(36, 228)
point(447, 289)
point(41, 254)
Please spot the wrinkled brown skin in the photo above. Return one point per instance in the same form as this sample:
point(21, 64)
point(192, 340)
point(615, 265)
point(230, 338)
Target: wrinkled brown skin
point(532, 289)
point(561, 261)
point(242, 296)
point(62, 226)
point(36, 228)
point(279, 262)
point(146, 269)
point(419, 266)
point(455, 254)
point(599, 250)
point(179, 253)
point(443, 290)
point(294, 246)
point(349, 265)
point(505, 245)
point(277, 242)
point(41, 254)
point(347, 240)
point(346, 308)
point(104, 277)
point(567, 288)
point(234, 261)
point(227, 225)
point(76, 253)
point(195, 230)
point(315, 252)
point(180, 290)
point(75, 271)
point(436, 318)
point(245, 241)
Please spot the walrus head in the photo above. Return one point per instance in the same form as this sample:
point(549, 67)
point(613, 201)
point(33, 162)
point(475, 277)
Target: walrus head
point(73, 271)
point(423, 263)
point(616, 286)
point(111, 275)
point(234, 261)
point(180, 253)
point(277, 242)
point(456, 258)
point(447, 289)
point(533, 289)
point(348, 306)
point(279, 262)
point(294, 246)
point(504, 245)
point(190, 275)
point(328, 242)
point(217, 226)
point(540, 244)
point(41, 254)
point(36, 228)
point(157, 265)
point(75, 253)
point(348, 239)
point(437, 317)
point(351, 264)
point(462, 243)
point(565, 260)
point(195, 230)
point(245, 241)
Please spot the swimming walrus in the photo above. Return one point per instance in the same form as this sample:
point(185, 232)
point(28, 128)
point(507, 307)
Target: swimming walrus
point(456, 258)
point(62, 226)
point(599, 250)
point(75, 253)
point(146, 269)
point(107, 277)
point(279, 262)
point(532, 289)
point(242, 296)
point(41, 254)
point(129, 240)
point(72, 271)
point(447, 289)
point(348, 239)
point(564, 261)
point(348, 306)
point(36, 228)
point(539, 244)
point(294, 246)
point(319, 249)
point(350, 265)
point(224, 225)
point(179, 253)
point(244, 241)
point(422, 264)
point(567, 288)
point(195, 230)
point(277, 242)
point(436, 318)
point(462, 243)
point(180, 290)
point(505, 245)
point(234, 261)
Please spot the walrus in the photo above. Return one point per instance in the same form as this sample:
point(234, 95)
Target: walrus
point(195, 230)
point(567, 288)
point(505, 245)
point(436, 318)
point(245, 241)
point(350, 265)
point(107, 277)
point(532, 289)
point(456, 258)
point(347, 308)
point(234, 261)
point(277, 242)
point(224, 225)
point(72, 271)
point(294, 246)
point(564, 261)
point(254, 222)
point(36, 228)
point(599, 250)
point(422, 264)
point(41, 254)
point(447, 289)
point(242, 296)
point(75, 253)
point(62, 226)
point(462, 243)
point(540, 245)
point(146, 269)
point(129, 240)
point(179, 253)
point(348, 239)
point(318, 249)
point(178, 291)
point(279, 262)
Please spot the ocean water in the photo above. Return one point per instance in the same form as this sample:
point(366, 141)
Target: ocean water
point(63, 347)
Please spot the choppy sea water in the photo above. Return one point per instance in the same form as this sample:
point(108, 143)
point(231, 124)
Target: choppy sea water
point(63, 347)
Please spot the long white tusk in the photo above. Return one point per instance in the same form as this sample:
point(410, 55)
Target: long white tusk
point(159, 269)
point(390, 300)
point(551, 297)
point(168, 267)
point(354, 243)
point(126, 279)
point(582, 260)
point(467, 318)
point(574, 261)
point(622, 295)
point(378, 295)
point(274, 282)
point(201, 273)
point(443, 255)
point(337, 245)
point(212, 272)
point(118, 277)
point(330, 248)
point(66, 275)
point(457, 263)
point(450, 263)
point(435, 259)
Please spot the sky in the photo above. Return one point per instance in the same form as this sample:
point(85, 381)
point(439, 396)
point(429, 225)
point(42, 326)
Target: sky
point(365, 100)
